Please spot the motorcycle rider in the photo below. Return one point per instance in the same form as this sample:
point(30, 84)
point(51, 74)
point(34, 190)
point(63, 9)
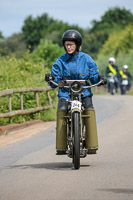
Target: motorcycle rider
point(125, 74)
point(74, 65)
point(112, 69)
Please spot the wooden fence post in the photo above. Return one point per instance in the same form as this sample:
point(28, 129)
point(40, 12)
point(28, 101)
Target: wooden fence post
point(10, 107)
point(37, 99)
point(21, 101)
point(49, 99)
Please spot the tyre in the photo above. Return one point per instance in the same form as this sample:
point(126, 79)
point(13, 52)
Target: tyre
point(112, 88)
point(124, 89)
point(76, 140)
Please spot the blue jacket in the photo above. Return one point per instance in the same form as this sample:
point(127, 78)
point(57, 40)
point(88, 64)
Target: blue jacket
point(81, 67)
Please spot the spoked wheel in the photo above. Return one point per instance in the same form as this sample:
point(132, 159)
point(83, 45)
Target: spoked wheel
point(76, 140)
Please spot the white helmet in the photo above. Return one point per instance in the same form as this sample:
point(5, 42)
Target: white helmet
point(111, 59)
point(125, 66)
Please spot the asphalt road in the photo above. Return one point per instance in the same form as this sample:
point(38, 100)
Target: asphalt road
point(30, 170)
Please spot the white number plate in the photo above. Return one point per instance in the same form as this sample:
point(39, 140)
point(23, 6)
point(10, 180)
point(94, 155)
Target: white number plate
point(75, 104)
point(111, 80)
point(125, 82)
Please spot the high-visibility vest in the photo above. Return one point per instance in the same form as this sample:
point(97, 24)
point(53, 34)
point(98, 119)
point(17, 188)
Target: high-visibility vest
point(113, 71)
point(122, 74)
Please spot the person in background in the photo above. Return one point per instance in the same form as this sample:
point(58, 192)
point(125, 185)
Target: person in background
point(125, 74)
point(112, 69)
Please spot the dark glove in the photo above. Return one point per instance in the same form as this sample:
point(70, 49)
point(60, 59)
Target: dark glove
point(47, 77)
point(100, 77)
point(61, 83)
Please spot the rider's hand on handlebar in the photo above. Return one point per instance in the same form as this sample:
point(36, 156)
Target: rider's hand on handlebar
point(100, 77)
point(47, 77)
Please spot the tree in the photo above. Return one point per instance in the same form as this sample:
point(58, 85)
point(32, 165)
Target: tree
point(14, 44)
point(35, 29)
point(115, 19)
point(1, 36)
point(48, 51)
point(122, 44)
point(92, 43)
point(44, 27)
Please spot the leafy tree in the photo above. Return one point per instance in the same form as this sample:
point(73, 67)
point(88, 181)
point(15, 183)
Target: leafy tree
point(14, 44)
point(117, 44)
point(115, 19)
point(35, 29)
point(44, 27)
point(47, 28)
point(1, 36)
point(57, 29)
point(92, 43)
point(47, 51)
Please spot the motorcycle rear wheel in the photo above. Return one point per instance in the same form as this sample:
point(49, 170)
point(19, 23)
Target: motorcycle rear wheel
point(76, 140)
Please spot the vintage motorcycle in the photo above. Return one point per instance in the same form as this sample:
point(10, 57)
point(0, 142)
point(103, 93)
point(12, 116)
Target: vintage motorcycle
point(76, 138)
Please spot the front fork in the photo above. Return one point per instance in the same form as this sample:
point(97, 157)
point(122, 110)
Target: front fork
point(83, 151)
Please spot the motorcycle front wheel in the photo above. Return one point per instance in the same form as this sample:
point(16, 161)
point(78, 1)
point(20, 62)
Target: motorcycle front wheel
point(123, 89)
point(112, 88)
point(76, 140)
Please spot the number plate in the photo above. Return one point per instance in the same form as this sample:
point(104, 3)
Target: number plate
point(76, 104)
point(125, 82)
point(111, 80)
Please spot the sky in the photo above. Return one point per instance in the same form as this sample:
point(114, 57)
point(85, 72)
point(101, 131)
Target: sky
point(77, 12)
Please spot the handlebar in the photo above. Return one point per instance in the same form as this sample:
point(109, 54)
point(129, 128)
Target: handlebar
point(69, 82)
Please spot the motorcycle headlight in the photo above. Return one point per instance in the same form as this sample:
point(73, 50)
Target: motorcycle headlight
point(76, 86)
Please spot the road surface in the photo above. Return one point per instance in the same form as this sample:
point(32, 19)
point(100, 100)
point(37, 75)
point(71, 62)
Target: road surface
point(30, 170)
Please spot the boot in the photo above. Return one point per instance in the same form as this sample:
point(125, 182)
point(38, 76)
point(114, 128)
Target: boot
point(91, 131)
point(61, 132)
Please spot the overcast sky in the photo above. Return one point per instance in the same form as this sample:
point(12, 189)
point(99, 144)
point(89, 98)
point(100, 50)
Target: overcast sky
point(80, 12)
